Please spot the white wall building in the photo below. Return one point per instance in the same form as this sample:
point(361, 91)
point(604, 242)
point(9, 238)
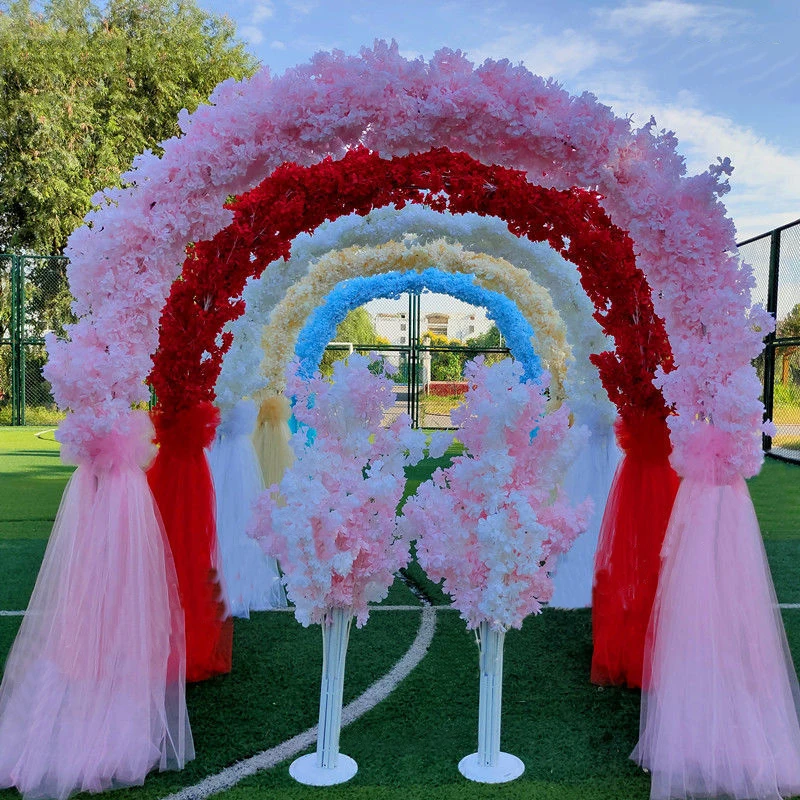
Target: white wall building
point(392, 326)
point(461, 325)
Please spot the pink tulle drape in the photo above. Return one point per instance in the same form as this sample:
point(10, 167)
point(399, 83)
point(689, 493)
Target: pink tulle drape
point(627, 561)
point(93, 694)
point(720, 714)
point(180, 479)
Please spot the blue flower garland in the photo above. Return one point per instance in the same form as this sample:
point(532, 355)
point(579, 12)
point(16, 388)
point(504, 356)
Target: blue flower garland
point(320, 328)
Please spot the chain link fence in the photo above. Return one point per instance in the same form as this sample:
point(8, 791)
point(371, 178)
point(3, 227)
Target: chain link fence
point(775, 258)
point(34, 300)
point(6, 307)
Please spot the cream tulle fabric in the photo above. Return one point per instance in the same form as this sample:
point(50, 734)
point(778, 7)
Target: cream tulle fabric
point(720, 711)
point(93, 692)
point(252, 580)
point(589, 476)
point(271, 438)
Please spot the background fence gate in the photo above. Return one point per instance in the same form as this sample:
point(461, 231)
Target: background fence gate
point(428, 338)
point(775, 258)
point(34, 300)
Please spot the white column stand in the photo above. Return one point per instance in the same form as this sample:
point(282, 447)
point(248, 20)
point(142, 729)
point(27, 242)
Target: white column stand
point(489, 765)
point(328, 766)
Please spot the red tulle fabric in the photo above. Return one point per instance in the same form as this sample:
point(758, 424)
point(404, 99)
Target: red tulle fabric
point(181, 483)
point(627, 562)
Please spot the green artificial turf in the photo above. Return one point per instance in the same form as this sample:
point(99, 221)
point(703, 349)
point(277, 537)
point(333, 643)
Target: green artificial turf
point(776, 497)
point(32, 480)
point(573, 737)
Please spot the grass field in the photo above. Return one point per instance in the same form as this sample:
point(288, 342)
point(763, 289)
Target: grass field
point(573, 737)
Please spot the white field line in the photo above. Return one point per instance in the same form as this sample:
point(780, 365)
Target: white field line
point(789, 606)
point(275, 610)
point(371, 609)
point(267, 759)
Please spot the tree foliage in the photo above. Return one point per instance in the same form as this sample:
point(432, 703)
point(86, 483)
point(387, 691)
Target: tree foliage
point(491, 338)
point(789, 326)
point(356, 328)
point(86, 87)
point(445, 366)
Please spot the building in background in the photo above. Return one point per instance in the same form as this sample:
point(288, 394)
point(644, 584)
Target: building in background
point(460, 325)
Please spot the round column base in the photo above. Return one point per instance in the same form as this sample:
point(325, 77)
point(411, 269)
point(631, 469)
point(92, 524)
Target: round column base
point(305, 770)
point(508, 768)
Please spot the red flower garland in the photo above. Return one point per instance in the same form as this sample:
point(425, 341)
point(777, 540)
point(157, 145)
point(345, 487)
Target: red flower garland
point(296, 199)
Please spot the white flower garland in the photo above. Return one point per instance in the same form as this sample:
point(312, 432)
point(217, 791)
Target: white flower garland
point(241, 377)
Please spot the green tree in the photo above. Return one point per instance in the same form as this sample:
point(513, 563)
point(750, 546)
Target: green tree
point(491, 339)
point(445, 366)
point(356, 328)
point(87, 86)
point(788, 327)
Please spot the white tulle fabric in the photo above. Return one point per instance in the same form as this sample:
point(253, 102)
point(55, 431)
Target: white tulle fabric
point(93, 692)
point(720, 707)
point(252, 580)
point(589, 476)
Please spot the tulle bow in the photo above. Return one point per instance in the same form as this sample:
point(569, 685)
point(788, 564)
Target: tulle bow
point(646, 437)
point(239, 420)
point(130, 443)
point(187, 431)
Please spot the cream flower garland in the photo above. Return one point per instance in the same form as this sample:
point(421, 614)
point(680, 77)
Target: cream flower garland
point(495, 274)
point(241, 377)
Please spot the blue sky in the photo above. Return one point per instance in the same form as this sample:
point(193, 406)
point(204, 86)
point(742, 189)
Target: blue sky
point(725, 76)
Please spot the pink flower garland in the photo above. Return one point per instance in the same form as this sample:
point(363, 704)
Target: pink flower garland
point(125, 259)
point(492, 524)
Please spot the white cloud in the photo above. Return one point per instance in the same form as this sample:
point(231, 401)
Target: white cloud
point(562, 57)
point(766, 180)
point(251, 34)
point(263, 10)
point(673, 17)
point(302, 6)
point(411, 55)
point(276, 44)
point(765, 185)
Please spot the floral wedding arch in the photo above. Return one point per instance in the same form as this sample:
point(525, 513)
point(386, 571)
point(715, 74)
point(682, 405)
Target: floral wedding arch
point(545, 145)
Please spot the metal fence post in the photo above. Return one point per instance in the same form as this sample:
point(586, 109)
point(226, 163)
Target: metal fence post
point(769, 343)
point(413, 357)
point(17, 350)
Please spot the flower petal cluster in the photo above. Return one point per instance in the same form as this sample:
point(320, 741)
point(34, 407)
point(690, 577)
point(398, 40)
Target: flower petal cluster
point(491, 524)
point(332, 520)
